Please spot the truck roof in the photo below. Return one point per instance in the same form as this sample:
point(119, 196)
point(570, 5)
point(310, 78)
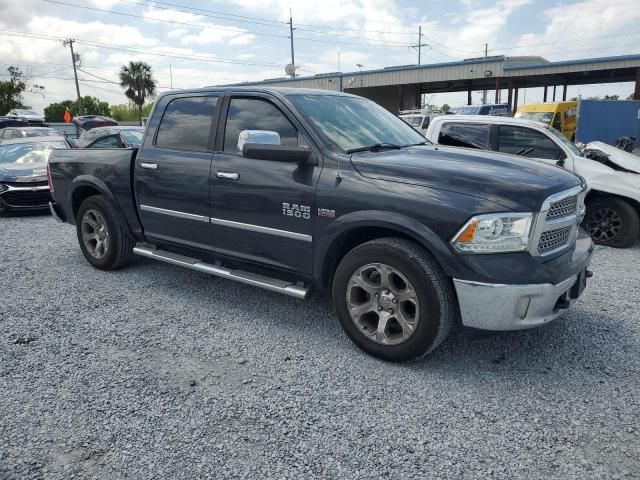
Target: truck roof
point(494, 119)
point(286, 91)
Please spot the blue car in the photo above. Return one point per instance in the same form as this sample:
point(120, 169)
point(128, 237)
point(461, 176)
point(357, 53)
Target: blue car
point(500, 109)
point(23, 174)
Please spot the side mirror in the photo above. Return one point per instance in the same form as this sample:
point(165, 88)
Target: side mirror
point(264, 137)
point(278, 153)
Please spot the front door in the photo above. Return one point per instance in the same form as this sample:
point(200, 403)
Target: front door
point(529, 143)
point(172, 171)
point(262, 210)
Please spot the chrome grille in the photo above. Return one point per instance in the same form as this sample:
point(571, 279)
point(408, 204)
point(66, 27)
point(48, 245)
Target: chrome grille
point(563, 208)
point(553, 239)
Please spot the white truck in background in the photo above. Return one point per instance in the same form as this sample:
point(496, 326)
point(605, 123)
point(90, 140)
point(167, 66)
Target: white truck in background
point(612, 175)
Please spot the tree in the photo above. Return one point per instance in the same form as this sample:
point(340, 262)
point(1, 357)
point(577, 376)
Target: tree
point(90, 105)
point(137, 80)
point(11, 91)
point(126, 113)
point(631, 97)
point(445, 108)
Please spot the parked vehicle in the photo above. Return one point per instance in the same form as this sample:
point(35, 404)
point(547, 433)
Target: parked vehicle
point(23, 181)
point(31, 116)
point(10, 133)
point(111, 137)
point(613, 201)
point(560, 115)
point(419, 119)
point(500, 109)
point(293, 190)
point(12, 122)
point(87, 122)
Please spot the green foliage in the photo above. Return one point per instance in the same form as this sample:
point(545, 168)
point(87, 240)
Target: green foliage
point(90, 105)
point(445, 108)
point(128, 113)
point(11, 91)
point(606, 97)
point(139, 84)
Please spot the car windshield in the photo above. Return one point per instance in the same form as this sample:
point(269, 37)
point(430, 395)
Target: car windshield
point(40, 132)
point(352, 122)
point(572, 146)
point(413, 120)
point(544, 117)
point(26, 112)
point(28, 152)
point(133, 137)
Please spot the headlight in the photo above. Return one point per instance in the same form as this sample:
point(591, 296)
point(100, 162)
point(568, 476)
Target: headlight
point(494, 233)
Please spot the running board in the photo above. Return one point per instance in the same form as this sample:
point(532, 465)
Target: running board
point(268, 283)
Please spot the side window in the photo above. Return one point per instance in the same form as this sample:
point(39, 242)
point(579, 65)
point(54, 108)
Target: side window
point(7, 134)
point(528, 143)
point(256, 114)
point(186, 124)
point(425, 123)
point(107, 142)
point(557, 121)
point(470, 135)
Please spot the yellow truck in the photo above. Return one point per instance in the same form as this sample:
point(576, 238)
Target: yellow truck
point(560, 115)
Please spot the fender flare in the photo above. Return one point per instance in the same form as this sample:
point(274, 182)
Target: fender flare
point(403, 224)
point(94, 182)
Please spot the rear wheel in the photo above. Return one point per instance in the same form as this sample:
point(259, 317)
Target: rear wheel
point(393, 300)
point(104, 241)
point(612, 222)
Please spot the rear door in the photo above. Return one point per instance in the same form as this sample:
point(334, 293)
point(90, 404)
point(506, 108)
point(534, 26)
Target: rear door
point(262, 210)
point(173, 167)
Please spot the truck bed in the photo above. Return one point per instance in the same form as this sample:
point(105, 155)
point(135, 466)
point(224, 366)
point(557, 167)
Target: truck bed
point(107, 171)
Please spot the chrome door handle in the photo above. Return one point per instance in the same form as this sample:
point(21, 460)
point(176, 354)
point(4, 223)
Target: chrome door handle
point(228, 175)
point(149, 166)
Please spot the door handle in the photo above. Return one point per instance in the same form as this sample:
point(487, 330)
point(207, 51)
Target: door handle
point(228, 175)
point(149, 166)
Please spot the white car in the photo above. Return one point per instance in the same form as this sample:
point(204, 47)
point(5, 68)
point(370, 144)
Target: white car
point(31, 116)
point(612, 175)
point(419, 119)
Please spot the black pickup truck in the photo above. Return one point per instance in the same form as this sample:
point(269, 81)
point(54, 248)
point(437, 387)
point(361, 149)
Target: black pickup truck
point(294, 190)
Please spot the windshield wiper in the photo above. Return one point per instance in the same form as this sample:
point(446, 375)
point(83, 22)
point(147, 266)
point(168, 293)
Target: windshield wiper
point(375, 147)
point(426, 142)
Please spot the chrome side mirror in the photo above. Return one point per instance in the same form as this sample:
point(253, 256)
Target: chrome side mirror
point(263, 137)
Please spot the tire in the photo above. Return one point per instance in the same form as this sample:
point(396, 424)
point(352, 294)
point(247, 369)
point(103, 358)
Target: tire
point(432, 313)
point(612, 222)
point(117, 242)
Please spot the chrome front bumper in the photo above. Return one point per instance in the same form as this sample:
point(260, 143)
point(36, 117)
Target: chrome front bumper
point(490, 306)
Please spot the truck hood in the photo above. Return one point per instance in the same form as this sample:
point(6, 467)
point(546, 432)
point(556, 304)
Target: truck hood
point(517, 183)
point(23, 172)
point(623, 159)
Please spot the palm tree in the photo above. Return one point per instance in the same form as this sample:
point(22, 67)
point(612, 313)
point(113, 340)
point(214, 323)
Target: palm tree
point(137, 80)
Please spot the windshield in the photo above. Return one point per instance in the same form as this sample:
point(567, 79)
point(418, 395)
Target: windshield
point(40, 132)
point(413, 120)
point(544, 117)
point(133, 137)
point(28, 152)
point(572, 146)
point(27, 112)
point(352, 122)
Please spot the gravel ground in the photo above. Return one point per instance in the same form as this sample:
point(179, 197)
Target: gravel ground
point(159, 372)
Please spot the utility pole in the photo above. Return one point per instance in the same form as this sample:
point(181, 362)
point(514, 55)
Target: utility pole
point(484, 92)
point(69, 42)
point(420, 44)
point(293, 61)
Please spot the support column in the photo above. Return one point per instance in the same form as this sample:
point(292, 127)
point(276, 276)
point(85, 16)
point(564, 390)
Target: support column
point(515, 101)
point(554, 93)
point(497, 89)
point(510, 94)
point(469, 96)
point(636, 92)
point(545, 94)
point(564, 92)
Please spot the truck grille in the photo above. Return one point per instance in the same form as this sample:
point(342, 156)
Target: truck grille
point(26, 199)
point(563, 208)
point(553, 239)
point(556, 227)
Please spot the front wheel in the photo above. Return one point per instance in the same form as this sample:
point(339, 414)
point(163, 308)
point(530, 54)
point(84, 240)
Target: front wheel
point(104, 240)
point(393, 300)
point(612, 222)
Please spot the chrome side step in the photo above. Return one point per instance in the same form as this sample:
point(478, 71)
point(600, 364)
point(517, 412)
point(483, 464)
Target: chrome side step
point(268, 283)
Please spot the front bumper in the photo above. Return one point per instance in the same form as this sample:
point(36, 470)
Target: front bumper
point(25, 199)
point(502, 306)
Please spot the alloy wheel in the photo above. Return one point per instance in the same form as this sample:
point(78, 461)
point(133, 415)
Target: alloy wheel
point(95, 234)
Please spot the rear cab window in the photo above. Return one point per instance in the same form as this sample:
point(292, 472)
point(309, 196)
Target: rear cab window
point(468, 135)
point(186, 123)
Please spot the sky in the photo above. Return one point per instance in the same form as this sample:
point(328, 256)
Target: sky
point(197, 43)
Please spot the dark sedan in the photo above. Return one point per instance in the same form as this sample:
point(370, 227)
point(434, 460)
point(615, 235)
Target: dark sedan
point(112, 137)
point(23, 174)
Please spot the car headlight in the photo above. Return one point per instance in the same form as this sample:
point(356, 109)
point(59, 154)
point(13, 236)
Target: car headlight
point(494, 233)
